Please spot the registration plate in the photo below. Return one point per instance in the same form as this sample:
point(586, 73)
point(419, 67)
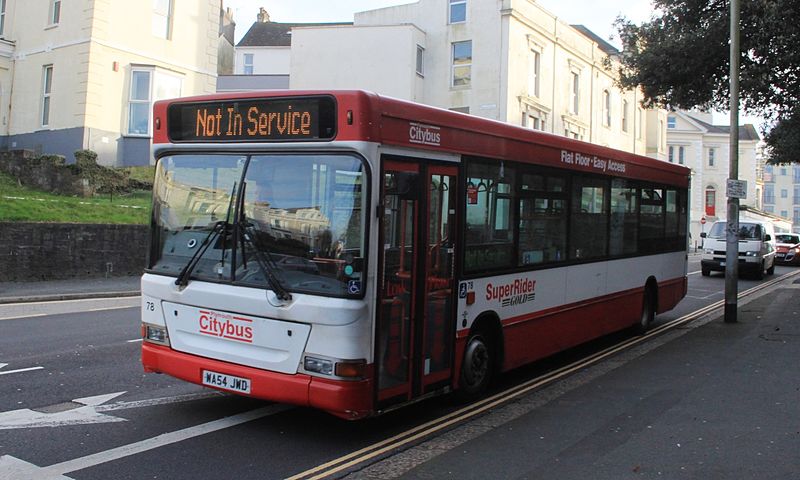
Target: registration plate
point(226, 382)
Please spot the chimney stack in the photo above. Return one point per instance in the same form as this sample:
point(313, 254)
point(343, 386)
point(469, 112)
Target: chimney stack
point(263, 16)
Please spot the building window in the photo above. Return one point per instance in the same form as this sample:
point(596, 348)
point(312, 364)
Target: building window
point(47, 90)
point(681, 155)
point(147, 86)
point(420, 61)
point(624, 115)
point(533, 119)
point(712, 153)
point(462, 63)
point(575, 93)
point(162, 18)
point(248, 63)
point(639, 124)
point(671, 122)
point(671, 154)
point(606, 108)
point(784, 193)
point(458, 11)
point(796, 197)
point(534, 66)
point(769, 194)
point(711, 202)
point(2, 17)
point(796, 174)
point(54, 14)
point(784, 172)
point(784, 214)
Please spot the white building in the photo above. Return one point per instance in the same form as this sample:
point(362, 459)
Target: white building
point(509, 60)
point(781, 192)
point(84, 74)
point(694, 141)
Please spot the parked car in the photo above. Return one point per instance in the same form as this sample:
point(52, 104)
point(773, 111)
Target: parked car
point(756, 249)
point(787, 248)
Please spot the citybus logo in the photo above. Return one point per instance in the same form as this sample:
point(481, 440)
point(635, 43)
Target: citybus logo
point(424, 134)
point(222, 325)
point(521, 290)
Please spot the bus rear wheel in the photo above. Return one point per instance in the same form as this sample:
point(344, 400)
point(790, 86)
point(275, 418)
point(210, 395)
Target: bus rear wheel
point(648, 311)
point(476, 370)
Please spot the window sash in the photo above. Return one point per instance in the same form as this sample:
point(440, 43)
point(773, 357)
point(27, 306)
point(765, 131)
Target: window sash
point(162, 18)
point(47, 89)
point(576, 92)
point(54, 14)
point(462, 63)
point(458, 11)
point(534, 66)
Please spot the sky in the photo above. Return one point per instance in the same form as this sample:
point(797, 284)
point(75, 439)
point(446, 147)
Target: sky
point(597, 15)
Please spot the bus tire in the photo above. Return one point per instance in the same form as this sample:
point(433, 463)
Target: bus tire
point(648, 314)
point(706, 272)
point(477, 367)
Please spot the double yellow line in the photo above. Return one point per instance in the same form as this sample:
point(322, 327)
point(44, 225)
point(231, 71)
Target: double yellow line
point(432, 427)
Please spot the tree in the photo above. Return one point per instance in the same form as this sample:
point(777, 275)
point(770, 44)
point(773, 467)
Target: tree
point(680, 58)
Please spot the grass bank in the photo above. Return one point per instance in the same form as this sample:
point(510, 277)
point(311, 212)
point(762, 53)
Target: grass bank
point(22, 204)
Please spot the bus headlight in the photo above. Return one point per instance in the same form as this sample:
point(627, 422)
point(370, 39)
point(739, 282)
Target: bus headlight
point(155, 334)
point(318, 365)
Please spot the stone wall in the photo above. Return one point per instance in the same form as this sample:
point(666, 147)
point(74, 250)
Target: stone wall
point(51, 251)
point(44, 172)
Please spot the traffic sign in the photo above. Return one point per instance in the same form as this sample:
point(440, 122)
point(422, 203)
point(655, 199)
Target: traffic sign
point(737, 189)
point(703, 221)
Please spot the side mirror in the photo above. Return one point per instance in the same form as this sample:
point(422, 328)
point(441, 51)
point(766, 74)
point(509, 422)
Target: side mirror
point(768, 238)
point(703, 235)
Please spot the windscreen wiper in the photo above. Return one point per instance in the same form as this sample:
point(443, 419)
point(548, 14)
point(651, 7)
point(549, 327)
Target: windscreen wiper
point(216, 229)
point(265, 262)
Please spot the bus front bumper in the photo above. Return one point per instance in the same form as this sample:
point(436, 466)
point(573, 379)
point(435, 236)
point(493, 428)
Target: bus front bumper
point(350, 400)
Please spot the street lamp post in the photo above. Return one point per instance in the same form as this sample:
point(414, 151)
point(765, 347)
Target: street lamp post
point(732, 236)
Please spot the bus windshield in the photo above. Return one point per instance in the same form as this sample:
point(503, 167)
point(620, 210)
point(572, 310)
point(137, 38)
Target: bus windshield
point(279, 221)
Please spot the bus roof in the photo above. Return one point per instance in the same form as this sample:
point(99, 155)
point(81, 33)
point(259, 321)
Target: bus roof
point(366, 116)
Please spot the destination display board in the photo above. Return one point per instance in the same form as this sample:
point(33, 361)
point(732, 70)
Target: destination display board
point(253, 120)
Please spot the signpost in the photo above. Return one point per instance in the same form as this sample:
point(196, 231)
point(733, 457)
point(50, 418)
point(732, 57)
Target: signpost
point(732, 237)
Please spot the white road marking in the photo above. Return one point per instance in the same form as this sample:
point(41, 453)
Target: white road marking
point(26, 418)
point(110, 308)
point(31, 315)
point(160, 401)
point(19, 370)
point(14, 468)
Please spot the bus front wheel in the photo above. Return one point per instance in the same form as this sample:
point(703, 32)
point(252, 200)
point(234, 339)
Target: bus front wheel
point(476, 370)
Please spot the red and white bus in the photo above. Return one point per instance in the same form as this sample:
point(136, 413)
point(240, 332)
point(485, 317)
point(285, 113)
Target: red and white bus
point(353, 253)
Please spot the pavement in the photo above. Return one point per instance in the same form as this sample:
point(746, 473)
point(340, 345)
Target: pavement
point(70, 289)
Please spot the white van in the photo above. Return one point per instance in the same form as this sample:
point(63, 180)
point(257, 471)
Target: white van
point(756, 248)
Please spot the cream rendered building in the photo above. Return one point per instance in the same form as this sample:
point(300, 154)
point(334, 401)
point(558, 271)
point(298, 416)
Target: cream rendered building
point(509, 60)
point(83, 74)
point(695, 142)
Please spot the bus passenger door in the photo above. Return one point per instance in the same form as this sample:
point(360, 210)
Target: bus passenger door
point(414, 334)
